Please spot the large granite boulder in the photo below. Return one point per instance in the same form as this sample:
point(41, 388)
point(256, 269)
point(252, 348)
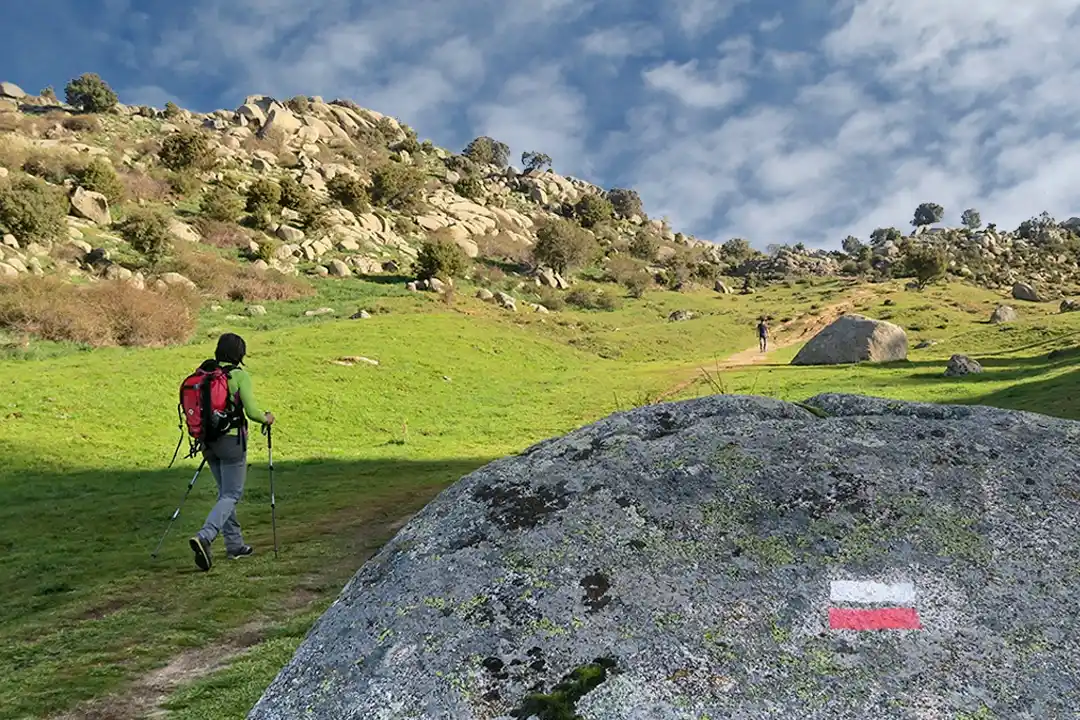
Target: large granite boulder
point(725, 557)
point(854, 338)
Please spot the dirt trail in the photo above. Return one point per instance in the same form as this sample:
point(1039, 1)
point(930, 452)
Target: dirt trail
point(142, 698)
point(784, 335)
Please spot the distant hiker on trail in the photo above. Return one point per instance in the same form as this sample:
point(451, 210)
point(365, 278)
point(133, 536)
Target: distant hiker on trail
point(763, 335)
point(226, 454)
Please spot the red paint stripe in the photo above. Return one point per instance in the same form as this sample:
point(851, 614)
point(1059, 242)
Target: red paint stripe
point(874, 619)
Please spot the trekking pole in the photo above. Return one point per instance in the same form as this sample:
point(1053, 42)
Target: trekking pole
point(273, 510)
point(177, 511)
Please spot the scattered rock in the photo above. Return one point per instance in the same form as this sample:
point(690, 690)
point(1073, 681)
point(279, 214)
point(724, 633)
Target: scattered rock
point(361, 315)
point(173, 279)
point(254, 310)
point(852, 339)
point(721, 288)
point(436, 285)
point(350, 360)
point(485, 294)
point(1003, 314)
point(10, 241)
point(962, 365)
point(290, 234)
point(338, 268)
point(318, 312)
point(7, 270)
point(183, 231)
point(1024, 291)
point(681, 556)
point(505, 301)
point(923, 344)
point(1070, 305)
point(90, 205)
point(680, 316)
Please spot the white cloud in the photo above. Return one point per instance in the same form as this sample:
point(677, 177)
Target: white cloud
point(718, 112)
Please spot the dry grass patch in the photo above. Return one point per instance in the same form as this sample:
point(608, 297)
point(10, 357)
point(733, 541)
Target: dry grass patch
point(142, 188)
point(226, 279)
point(102, 314)
point(504, 247)
point(224, 235)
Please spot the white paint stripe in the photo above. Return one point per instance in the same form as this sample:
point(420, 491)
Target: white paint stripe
point(868, 591)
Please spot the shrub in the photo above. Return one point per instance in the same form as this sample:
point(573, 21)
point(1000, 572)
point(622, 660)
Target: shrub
point(409, 145)
point(880, 236)
point(90, 93)
point(387, 130)
point(630, 274)
point(56, 167)
point(644, 245)
point(550, 298)
point(487, 151)
point(222, 234)
point(626, 202)
point(172, 110)
point(187, 150)
point(469, 187)
point(504, 246)
point(592, 209)
point(592, 300)
point(106, 313)
point(397, 186)
point(349, 192)
point(100, 176)
point(226, 280)
point(81, 123)
point(440, 257)
point(927, 263)
point(147, 231)
point(184, 183)
point(562, 245)
point(264, 195)
point(296, 196)
point(222, 203)
point(299, 104)
point(31, 209)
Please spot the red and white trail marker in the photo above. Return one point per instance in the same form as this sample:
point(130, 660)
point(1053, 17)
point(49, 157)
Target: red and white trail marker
point(848, 600)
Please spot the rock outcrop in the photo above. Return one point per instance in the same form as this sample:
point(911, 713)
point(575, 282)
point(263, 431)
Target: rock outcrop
point(703, 559)
point(852, 339)
point(962, 365)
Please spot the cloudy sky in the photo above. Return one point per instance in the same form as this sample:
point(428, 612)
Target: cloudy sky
point(777, 121)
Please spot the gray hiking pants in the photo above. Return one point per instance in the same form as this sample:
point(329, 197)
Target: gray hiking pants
point(227, 459)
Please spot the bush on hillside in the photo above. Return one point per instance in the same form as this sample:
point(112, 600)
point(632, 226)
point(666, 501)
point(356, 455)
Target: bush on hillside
point(81, 123)
point(90, 93)
point(187, 150)
point(397, 186)
point(487, 151)
point(440, 257)
point(263, 194)
point(629, 273)
point(223, 279)
point(880, 236)
point(222, 234)
point(31, 209)
point(469, 187)
point(927, 213)
point(563, 245)
point(626, 202)
point(222, 203)
point(54, 167)
point(147, 231)
point(645, 245)
point(105, 313)
point(140, 187)
point(592, 300)
point(295, 196)
point(927, 264)
point(99, 175)
point(184, 183)
point(172, 110)
point(550, 298)
point(350, 193)
point(592, 209)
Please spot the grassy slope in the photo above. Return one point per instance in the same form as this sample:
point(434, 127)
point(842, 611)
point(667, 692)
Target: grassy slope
point(84, 497)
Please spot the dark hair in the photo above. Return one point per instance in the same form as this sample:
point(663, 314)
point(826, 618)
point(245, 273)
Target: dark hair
point(230, 349)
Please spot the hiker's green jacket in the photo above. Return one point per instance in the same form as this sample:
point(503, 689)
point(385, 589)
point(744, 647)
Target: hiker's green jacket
point(240, 382)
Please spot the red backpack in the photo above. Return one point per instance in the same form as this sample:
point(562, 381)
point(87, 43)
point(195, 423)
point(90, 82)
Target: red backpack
point(207, 410)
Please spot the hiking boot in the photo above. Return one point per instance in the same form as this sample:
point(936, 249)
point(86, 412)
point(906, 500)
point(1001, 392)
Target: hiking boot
point(242, 551)
point(201, 548)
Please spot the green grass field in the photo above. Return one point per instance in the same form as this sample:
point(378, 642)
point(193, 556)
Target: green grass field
point(88, 616)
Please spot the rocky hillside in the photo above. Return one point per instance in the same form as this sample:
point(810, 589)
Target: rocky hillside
point(301, 187)
point(246, 203)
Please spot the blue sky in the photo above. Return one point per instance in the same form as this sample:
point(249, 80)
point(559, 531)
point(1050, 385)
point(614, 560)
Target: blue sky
point(777, 121)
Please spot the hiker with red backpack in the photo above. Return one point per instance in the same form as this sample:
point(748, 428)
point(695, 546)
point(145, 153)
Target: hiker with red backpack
point(216, 402)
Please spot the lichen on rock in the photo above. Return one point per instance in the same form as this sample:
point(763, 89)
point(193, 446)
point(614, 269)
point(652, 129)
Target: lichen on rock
point(675, 561)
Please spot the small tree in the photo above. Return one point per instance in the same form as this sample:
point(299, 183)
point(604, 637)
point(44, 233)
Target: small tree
point(927, 263)
point(264, 195)
point(90, 93)
point(469, 187)
point(626, 202)
point(187, 150)
point(645, 245)
point(535, 161)
point(441, 258)
point(563, 245)
point(397, 186)
point(488, 151)
point(31, 209)
point(592, 209)
point(971, 218)
point(349, 192)
point(100, 176)
point(172, 110)
point(293, 195)
point(221, 203)
point(852, 245)
point(928, 214)
point(48, 93)
point(880, 236)
point(147, 231)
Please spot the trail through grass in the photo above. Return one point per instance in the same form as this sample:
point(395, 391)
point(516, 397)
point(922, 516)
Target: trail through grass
point(87, 616)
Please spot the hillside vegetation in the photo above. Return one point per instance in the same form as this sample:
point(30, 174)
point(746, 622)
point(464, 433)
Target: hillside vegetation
point(411, 314)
